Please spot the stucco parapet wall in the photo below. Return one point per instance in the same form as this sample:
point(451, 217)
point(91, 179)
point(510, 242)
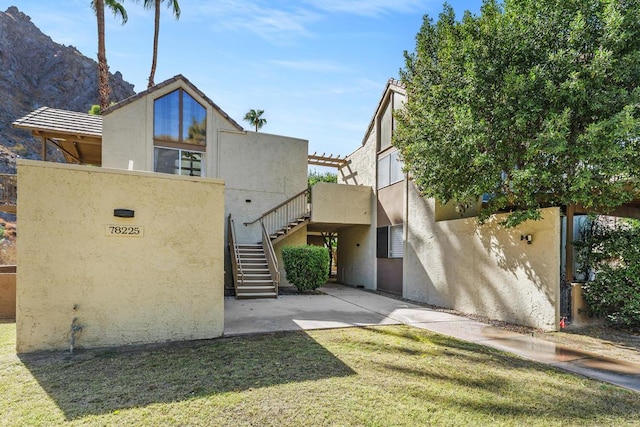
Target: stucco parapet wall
point(156, 276)
point(91, 169)
point(341, 204)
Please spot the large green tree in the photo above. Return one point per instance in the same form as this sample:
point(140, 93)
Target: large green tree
point(534, 103)
point(155, 4)
point(104, 90)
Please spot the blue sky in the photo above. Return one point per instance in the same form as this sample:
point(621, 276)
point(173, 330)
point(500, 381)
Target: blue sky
point(317, 67)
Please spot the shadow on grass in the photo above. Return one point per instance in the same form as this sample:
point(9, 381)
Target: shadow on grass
point(103, 381)
point(450, 373)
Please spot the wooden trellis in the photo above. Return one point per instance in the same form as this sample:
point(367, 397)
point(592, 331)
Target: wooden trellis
point(324, 160)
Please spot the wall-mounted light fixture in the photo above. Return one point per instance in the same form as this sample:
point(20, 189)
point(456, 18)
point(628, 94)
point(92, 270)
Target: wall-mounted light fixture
point(527, 237)
point(124, 213)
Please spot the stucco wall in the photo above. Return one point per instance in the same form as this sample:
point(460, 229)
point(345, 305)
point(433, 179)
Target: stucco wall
point(166, 285)
point(127, 132)
point(341, 204)
point(7, 293)
point(265, 169)
point(485, 269)
point(357, 244)
point(126, 137)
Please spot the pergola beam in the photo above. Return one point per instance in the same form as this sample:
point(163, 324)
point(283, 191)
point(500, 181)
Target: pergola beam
point(323, 160)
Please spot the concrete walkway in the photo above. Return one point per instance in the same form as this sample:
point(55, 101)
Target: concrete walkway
point(343, 306)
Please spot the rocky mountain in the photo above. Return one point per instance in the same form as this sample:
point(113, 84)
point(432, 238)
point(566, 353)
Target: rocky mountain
point(35, 71)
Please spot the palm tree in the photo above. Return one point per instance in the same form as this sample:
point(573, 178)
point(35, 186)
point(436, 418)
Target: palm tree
point(148, 4)
point(104, 90)
point(254, 117)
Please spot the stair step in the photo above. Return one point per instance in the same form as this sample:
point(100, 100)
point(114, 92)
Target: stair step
point(245, 288)
point(256, 295)
point(267, 282)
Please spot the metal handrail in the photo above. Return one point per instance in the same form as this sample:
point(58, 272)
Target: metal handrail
point(236, 264)
point(286, 212)
point(306, 192)
point(8, 189)
point(272, 260)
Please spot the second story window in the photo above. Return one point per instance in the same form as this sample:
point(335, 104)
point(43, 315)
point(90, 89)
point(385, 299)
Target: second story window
point(179, 121)
point(179, 134)
point(390, 169)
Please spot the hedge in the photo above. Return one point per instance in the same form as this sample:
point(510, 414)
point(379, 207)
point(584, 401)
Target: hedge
point(307, 267)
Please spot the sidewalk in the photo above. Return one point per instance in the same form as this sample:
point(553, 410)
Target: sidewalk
point(343, 306)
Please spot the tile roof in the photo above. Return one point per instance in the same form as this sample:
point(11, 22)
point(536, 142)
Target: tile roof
point(62, 122)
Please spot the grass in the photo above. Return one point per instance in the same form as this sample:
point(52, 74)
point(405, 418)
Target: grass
point(378, 376)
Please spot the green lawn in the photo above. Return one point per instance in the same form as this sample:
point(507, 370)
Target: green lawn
point(379, 376)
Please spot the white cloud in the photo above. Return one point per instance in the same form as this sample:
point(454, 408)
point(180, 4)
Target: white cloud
point(369, 7)
point(277, 23)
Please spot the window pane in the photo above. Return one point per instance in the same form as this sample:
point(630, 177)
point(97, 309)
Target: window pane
point(166, 117)
point(396, 244)
point(191, 163)
point(386, 127)
point(383, 172)
point(382, 242)
point(194, 121)
point(165, 160)
point(396, 168)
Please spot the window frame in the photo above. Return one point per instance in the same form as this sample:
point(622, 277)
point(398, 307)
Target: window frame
point(180, 151)
point(389, 173)
point(180, 143)
point(385, 242)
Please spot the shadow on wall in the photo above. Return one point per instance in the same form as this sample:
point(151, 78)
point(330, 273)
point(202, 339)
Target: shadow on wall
point(484, 269)
point(513, 253)
point(126, 378)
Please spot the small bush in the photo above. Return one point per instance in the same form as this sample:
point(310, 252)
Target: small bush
point(307, 267)
point(610, 258)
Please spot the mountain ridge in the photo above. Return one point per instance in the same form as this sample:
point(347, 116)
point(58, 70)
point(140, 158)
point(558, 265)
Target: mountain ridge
point(36, 71)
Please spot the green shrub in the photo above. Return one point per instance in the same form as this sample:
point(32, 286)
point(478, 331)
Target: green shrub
point(610, 259)
point(307, 267)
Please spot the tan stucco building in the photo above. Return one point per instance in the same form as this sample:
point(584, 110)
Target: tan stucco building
point(211, 206)
point(180, 166)
point(426, 252)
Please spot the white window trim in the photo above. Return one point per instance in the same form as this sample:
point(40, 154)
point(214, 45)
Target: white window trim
point(389, 169)
point(180, 151)
point(396, 233)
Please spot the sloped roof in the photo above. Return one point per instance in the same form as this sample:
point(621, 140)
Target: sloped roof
point(64, 122)
point(173, 79)
point(393, 85)
point(79, 135)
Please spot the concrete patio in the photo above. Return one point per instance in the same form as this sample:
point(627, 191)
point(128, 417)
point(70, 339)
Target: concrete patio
point(342, 306)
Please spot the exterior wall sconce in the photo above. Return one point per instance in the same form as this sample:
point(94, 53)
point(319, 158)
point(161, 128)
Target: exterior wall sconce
point(527, 237)
point(123, 213)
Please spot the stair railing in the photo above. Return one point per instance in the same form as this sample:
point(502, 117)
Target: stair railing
point(272, 260)
point(279, 217)
point(236, 264)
